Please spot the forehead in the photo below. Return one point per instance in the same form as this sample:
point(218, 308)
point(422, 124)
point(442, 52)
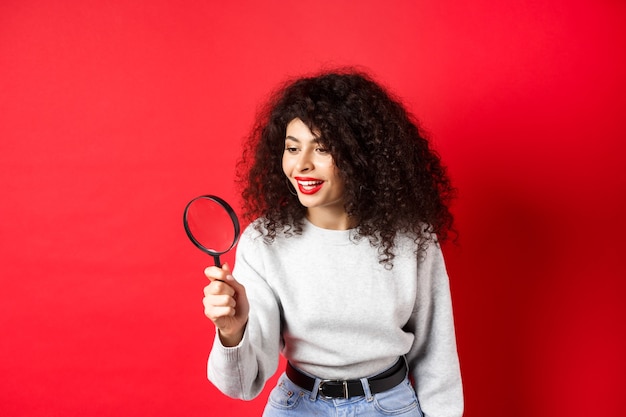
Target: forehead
point(298, 130)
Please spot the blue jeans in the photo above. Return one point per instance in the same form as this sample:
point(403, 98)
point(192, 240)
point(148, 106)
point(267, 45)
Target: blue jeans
point(289, 400)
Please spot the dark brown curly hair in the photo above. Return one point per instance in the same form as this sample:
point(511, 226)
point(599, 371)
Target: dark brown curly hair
point(394, 181)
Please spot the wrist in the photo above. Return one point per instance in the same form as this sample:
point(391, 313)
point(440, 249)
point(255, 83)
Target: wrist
point(230, 339)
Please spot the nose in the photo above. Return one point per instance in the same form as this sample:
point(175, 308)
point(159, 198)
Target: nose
point(304, 163)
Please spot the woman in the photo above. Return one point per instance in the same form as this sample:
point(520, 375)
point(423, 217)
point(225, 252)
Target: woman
point(340, 270)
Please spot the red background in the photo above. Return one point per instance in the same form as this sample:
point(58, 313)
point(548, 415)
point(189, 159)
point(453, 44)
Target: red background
point(114, 114)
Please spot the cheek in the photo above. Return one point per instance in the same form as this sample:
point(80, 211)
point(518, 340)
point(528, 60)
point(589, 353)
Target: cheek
point(286, 166)
point(332, 168)
point(337, 180)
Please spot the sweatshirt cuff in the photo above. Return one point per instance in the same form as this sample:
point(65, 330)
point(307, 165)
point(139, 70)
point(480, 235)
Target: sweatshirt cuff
point(232, 353)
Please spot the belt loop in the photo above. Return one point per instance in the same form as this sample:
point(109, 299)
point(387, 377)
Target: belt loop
point(316, 389)
point(407, 373)
point(366, 389)
point(406, 364)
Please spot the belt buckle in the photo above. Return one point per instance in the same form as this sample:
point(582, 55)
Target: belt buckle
point(326, 381)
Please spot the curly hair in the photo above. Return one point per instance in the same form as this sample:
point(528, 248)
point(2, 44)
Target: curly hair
point(394, 181)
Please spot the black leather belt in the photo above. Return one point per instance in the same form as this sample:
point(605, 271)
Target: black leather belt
point(350, 388)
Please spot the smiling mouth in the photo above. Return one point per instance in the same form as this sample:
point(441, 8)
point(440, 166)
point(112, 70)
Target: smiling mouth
point(309, 186)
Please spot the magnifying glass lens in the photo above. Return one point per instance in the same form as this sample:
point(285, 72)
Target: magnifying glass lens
point(211, 225)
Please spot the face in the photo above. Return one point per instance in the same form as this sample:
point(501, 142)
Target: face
point(311, 170)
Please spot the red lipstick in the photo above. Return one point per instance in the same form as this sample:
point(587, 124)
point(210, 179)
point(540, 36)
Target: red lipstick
point(308, 185)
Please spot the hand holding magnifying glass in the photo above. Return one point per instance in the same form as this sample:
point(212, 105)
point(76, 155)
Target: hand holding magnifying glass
point(211, 224)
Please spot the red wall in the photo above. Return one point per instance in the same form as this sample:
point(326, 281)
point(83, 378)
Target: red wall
point(114, 114)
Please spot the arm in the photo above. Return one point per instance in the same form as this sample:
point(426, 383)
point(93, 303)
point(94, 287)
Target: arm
point(241, 370)
point(433, 358)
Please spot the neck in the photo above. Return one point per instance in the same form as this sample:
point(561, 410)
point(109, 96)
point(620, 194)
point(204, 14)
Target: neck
point(331, 219)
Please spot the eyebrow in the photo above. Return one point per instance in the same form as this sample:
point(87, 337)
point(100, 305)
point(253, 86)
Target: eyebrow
point(316, 140)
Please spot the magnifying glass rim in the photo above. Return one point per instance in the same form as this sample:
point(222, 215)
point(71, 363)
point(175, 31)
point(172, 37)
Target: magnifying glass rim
point(230, 212)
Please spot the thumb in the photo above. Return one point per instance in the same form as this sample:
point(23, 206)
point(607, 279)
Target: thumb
point(230, 279)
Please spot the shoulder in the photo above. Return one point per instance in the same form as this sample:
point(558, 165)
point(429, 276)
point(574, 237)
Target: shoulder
point(258, 232)
point(252, 232)
point(424, 246)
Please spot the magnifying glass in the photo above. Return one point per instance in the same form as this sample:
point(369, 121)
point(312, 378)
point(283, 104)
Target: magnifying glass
point(211, 224)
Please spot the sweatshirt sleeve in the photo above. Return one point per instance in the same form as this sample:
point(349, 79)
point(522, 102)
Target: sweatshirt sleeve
point(242, 371)
point(433, 358)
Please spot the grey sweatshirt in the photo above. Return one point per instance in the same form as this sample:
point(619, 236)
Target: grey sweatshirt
point(324, 301)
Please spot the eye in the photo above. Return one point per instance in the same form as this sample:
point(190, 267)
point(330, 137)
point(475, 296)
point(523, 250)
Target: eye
point(322, 150)
point(291, 149)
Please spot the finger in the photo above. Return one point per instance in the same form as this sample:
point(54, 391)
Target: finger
point(219, 301)
point(226, 269)
point(218, 314)
point(213, 273)
point(230, 280)
point(219, 288)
